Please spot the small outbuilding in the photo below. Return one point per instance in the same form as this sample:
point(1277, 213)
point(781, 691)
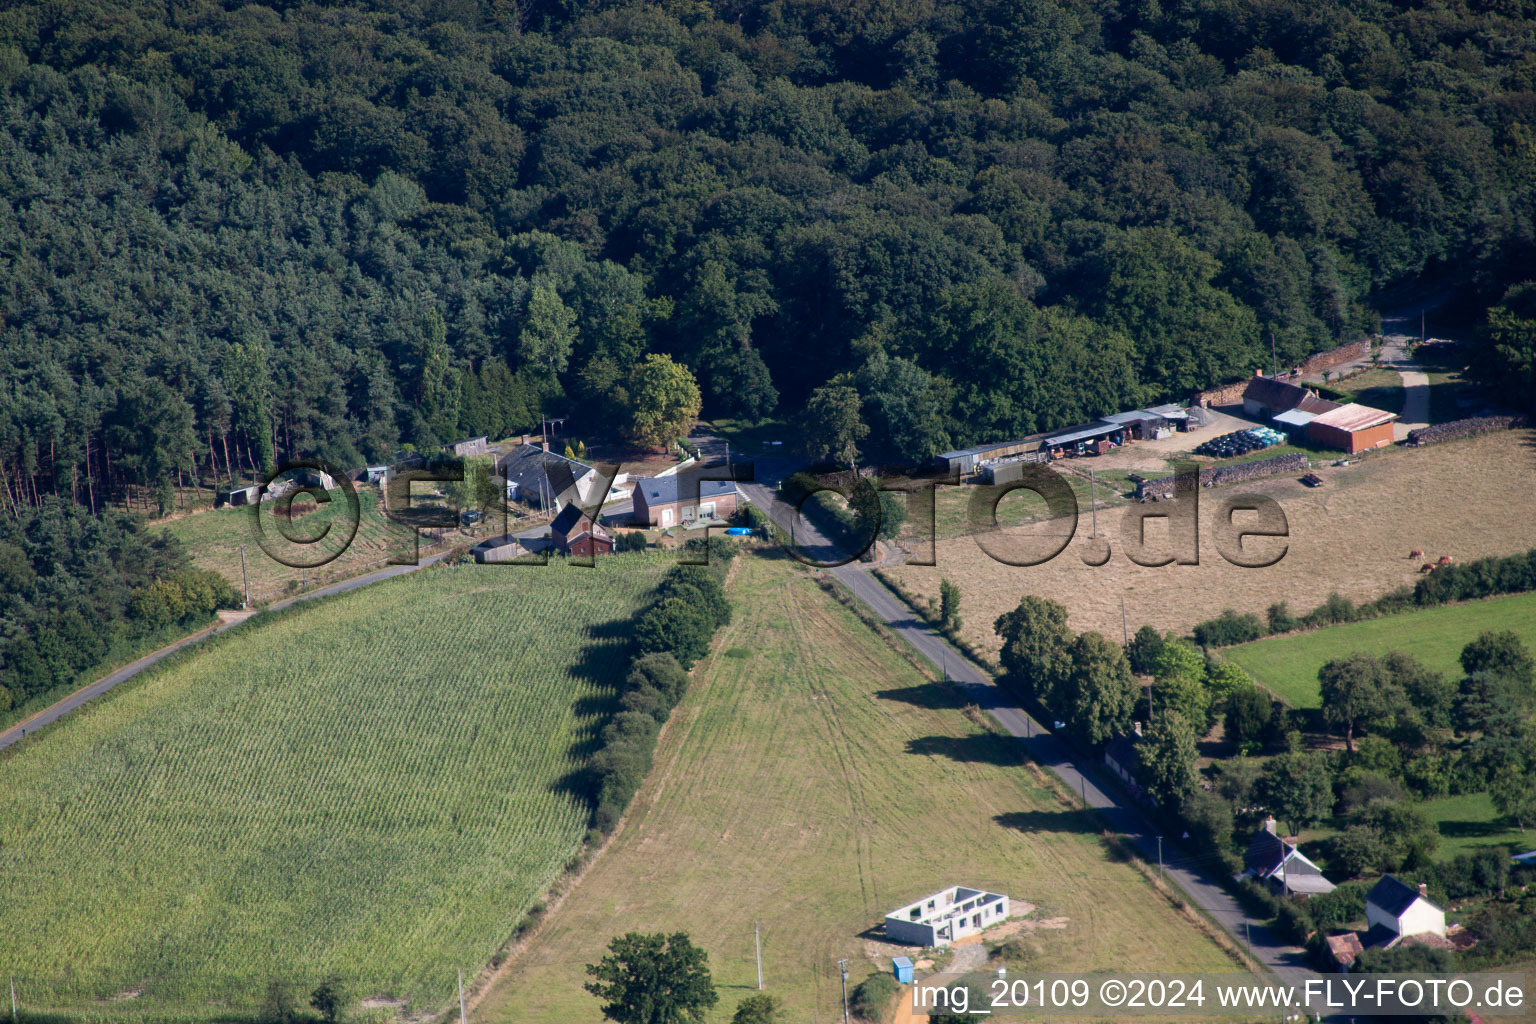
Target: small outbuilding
point(1352, 428)
point(468, 446)
point(901, 967)
point(238, 496)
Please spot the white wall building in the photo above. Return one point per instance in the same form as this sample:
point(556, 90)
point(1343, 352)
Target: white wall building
point(951, 914)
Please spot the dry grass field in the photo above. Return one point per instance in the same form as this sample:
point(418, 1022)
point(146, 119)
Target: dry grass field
point(1464, 499)
point(812, 780)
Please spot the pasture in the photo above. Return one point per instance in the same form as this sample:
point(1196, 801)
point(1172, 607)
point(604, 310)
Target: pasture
point(813, 780)
point(375, 786)
point(1464, 499)
point(1469, 821)
point(1287, 665)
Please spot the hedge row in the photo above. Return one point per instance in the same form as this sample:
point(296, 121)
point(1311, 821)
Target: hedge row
point(670, 634)
point(1294, 462)
point(1486, 577)
point(1470, 427)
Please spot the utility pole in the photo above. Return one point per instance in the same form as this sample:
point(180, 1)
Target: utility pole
point(757, 937)
point(1274, 363)
point(1093, 503)
point(1160, 870)
point(1421, 325)
point(843, 966)
point(247, 580)
point(462, 1018)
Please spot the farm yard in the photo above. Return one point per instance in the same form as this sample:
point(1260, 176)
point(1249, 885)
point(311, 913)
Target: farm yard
point(1353, 534)
point(812, 780)
point(1287, 665)
point(373, 787)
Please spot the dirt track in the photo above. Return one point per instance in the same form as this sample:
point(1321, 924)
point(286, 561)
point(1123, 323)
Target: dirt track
point(1464, 499)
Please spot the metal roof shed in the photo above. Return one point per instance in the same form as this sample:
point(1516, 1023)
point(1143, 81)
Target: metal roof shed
point(901, 966)
point(1295, 419)
point(1072, 435)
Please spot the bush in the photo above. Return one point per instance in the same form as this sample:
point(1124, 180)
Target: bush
point(1143, 650)
point(662, 671)
point(1293, 922)
point(678, 626)
point(1280, 618)
point(1228, 628)
point(870, 997)
point(629, 540)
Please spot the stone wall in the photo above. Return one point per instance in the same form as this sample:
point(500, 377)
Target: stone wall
point(1231, 394)
point(1437, 432)
point(1217, 476)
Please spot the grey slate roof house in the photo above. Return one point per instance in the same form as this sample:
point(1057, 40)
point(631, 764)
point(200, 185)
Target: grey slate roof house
point(543, 479)
point(1281, 866)
point(663, 501)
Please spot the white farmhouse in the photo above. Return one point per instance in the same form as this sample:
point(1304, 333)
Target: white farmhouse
point(1395, 910)
point(940, 919)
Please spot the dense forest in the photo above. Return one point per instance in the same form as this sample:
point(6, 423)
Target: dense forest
point(232, 232)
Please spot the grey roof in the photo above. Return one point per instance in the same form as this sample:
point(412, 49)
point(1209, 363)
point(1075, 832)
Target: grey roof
point(982, 449)
point(1081, 432)
point(662, 490)
point(568, 517)
point(1136, 416)
point(1124, 751)
point(1296, 417)
point(1393, 895)
point(528, 464)
point(1274, 395)
point(1378, 936)
point(1170, 409)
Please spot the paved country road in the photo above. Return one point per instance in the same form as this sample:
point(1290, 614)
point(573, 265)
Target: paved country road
point(75, 700)
point(1192, 870)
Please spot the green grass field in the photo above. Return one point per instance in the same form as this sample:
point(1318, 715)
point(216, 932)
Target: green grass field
point(811, 781)
point(1287, 665)
point(1469, 821)
point(371, 786)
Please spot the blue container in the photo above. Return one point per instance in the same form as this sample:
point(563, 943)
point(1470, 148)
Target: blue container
point(902, 967)
point(738, 531)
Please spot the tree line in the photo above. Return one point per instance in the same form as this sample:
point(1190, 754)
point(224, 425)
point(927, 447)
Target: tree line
point(233, 233)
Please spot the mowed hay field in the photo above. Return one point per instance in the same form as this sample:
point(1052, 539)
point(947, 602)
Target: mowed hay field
point(812, 780)
point(1288, 665)
point(1464, 499)
point(372, 787)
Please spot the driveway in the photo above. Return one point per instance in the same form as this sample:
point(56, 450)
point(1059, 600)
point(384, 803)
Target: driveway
point(1192, 870)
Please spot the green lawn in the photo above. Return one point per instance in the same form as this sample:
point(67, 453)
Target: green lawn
point(375, 786)
point(1287, 665)
point(1469, 821)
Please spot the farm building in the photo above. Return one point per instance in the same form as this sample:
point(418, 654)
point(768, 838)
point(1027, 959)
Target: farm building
point(545, 480)
point(966, 461)
point(1267, 397)
point(1281, 866)
point(950, 914)
point(1143, 424)
point(238, 496)
point(1085, 438)
point(664, 501)
point(1352, 427)
point(576, 533)
point(469, 446)
point(505, 548)
point(376, 474)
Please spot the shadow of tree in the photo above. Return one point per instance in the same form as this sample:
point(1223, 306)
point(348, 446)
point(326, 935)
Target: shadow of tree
point(1077, 822)
point(983, 748)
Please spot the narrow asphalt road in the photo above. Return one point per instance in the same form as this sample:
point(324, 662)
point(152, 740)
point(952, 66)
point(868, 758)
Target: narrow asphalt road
point(54, 712)
point(1193, 871)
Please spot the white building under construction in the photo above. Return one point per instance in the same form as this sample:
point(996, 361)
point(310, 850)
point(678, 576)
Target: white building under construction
point(940, 919)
